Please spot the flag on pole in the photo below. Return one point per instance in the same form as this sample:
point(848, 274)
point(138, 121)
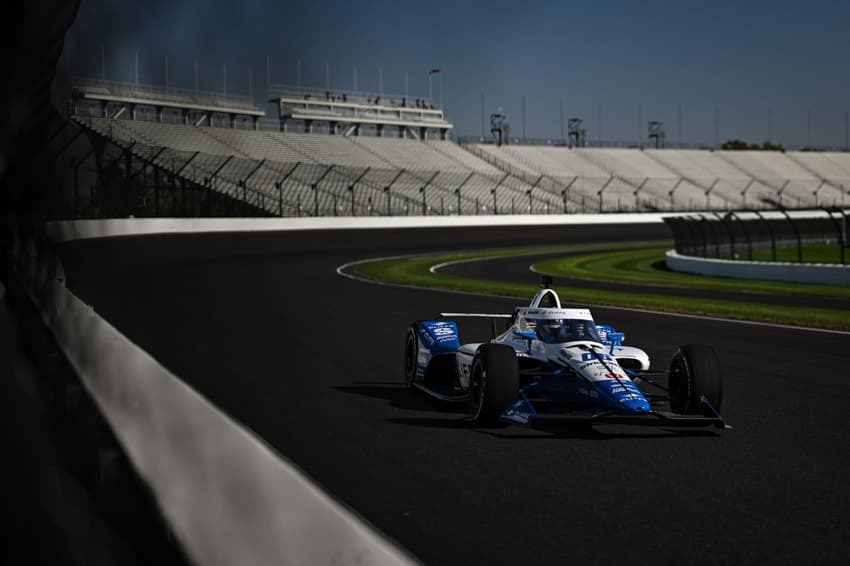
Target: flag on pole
point(433, 71)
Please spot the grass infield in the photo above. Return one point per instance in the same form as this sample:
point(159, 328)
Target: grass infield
point(633, 266)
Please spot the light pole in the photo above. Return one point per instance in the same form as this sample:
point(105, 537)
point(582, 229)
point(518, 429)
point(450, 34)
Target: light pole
point(431, 72)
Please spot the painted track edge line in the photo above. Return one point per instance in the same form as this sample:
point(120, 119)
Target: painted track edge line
point(341, 271)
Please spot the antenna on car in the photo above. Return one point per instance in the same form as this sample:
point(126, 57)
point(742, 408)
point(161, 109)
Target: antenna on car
point(546, 281)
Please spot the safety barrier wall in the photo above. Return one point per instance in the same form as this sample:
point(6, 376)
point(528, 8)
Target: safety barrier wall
point(828, 274)
point(228, 497)
point(82, 229)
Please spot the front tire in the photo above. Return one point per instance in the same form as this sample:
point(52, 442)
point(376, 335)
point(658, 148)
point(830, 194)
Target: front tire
point(493, 383)
point(695, 372)
point(411, 354)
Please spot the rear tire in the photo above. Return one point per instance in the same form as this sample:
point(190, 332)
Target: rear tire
point(411, 354)
point(695, 372)
point(493, 383)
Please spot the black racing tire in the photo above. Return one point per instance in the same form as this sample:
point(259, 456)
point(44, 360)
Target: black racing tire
point(493, 383)
point(695, 372)
point(411, 353)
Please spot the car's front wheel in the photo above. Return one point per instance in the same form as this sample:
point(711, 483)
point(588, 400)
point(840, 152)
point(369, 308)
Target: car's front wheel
point(695, 373)
point(411, 353)
point(493, 382)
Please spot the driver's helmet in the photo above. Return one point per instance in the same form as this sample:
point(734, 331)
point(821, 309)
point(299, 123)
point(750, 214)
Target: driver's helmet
point(551, 330)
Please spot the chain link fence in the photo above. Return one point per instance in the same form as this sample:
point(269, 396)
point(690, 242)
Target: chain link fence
point(810, 236)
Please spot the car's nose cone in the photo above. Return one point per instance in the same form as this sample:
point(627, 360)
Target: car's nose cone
point(636, 406)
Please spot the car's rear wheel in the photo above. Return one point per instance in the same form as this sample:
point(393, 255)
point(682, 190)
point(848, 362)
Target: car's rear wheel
point(411, 353)
point(695, 373)
point(493, 382)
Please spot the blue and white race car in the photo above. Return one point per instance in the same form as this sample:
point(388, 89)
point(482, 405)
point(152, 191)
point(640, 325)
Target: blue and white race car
point(557, 363)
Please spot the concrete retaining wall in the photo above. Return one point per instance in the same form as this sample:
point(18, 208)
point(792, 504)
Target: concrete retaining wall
point(822, 273)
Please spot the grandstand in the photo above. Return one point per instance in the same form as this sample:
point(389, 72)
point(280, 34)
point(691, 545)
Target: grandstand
point(388, 156)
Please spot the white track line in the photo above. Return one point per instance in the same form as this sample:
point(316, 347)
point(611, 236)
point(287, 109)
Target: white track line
point(342, 271)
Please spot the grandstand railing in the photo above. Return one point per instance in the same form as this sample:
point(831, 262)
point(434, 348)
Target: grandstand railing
point(631, 144)
point(165, 94)
point(275, 92)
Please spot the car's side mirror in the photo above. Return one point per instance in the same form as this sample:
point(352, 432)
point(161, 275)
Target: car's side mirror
point(616, 337)
point(525, 334)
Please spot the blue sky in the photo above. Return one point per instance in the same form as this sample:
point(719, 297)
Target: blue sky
point(742, 57)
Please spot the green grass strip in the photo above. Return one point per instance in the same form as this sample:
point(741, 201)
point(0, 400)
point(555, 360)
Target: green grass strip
point(415, 271)
point(648, 267)
point(812, 253)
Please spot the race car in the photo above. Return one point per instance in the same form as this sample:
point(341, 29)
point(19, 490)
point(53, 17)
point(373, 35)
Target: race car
point(557, 363)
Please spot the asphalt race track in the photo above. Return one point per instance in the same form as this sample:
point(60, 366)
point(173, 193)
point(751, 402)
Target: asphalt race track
point(263, 326)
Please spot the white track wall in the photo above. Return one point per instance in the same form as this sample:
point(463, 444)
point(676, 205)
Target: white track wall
point(828, 274)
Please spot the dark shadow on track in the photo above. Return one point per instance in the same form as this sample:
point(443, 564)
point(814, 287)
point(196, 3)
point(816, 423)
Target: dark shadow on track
point(400, 397)
point(550, 431)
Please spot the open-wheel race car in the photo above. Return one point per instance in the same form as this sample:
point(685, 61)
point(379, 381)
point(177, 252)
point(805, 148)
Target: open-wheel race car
point(557, 363)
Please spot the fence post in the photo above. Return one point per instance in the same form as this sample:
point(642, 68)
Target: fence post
point(605, 186)
point(839, 229)
point(796, 234)
point(724, 220)
point(697, 236)
point(746, 230)
point(279, 198)
point(770, 231)
point(704, 229)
